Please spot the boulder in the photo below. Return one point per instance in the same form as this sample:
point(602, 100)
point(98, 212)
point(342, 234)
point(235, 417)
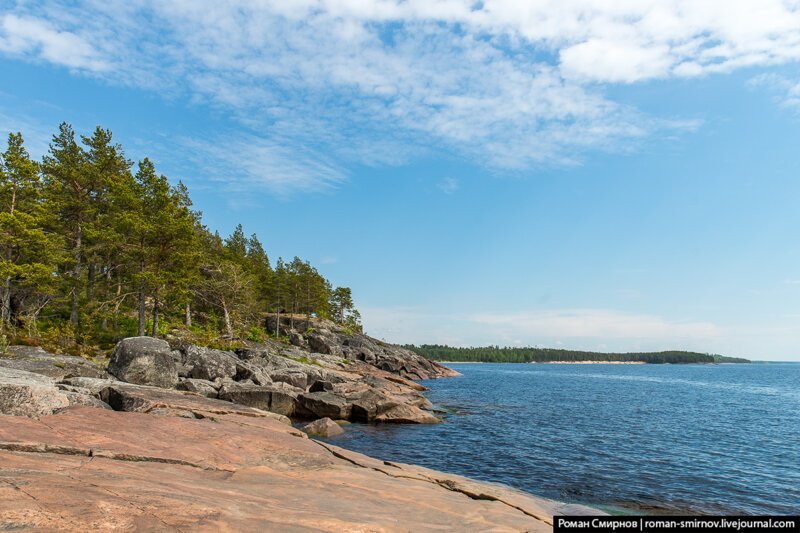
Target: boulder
point(295, 379)
point(245, 371)
point(406, 414)
point(249, 395)
point(277, 398)
point(143, 399)
point(28, 394)
point(323, 344)
point(144, 361)
point(369, 405)
point(210, 364)
point(324, 427)
point(93, 386)
point(297, 340)
point(198, 386)
point(36, 360)
point(320, 386)
point(323, 404)
point(76, 398)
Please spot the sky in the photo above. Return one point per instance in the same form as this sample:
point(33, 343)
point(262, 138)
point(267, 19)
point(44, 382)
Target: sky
point(613, 176)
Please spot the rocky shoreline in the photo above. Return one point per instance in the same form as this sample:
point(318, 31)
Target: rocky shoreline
point(172, 436)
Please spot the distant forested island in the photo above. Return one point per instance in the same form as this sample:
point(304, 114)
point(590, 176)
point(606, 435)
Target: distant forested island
point(497, 354)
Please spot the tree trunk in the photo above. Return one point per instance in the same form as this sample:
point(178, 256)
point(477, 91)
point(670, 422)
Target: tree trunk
point(227, 316)
point(74, 316)
point(116, 306)
point(5, 309)
point(140, 330)
point(90, 280)
point(277, 322)
point(5, 304)
point(155, 315)
point(188, 314)
point(294, 310)
point(107, 270)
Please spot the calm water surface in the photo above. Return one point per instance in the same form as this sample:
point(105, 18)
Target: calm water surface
point(649, 438)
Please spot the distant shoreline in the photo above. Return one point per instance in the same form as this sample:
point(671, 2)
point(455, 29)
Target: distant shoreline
point(549, 362)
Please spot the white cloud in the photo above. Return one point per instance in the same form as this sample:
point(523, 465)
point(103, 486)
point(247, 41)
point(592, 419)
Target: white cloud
point(448, 185)
point(586, 329)
point(246, 164)
point(606, 60)
point(27, 36)
point(578, 328)
point(602, 323)
point(507, 84)
point(786, 91)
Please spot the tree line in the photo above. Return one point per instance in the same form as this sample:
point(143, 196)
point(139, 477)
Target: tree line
point(497, 354)
point(94, 248)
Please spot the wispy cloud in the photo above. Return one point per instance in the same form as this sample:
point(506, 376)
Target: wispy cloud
point(36, 135)
point(573, 327)
point(247, 163)
point(33, 37)
point(448, 185)
point(601, 323)
point(506, 84)
point(786, 91)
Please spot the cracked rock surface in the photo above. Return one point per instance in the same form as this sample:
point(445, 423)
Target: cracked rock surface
point(93, 469)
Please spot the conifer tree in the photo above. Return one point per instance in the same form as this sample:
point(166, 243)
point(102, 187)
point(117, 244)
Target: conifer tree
point(28, 253)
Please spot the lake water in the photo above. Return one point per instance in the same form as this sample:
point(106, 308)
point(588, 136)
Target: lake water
point(641, 438)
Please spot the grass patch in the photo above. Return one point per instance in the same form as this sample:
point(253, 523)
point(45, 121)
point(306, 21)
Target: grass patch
point(304, 360)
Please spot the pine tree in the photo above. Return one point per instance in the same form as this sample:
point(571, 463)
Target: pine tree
point(28, 253)
point(69, 194)
point(342, 303)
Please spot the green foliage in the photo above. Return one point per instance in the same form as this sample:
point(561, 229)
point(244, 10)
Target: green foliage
point(725, 359)
point(305, 360)
point(60, 339)
point(497, 354)
point(91, 252)
point(256, 334)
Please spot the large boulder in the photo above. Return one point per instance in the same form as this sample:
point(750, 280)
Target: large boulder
point(324, 427)
point(85, 400)
point(297, 379)
point(143, 399)
point(144, 361)
point(324, 344)
point(93, 386)
point(367, 406)
point(36, 360)
point(323, 404)
point(198, 386)
point(210, 364)
point(27, 394)
point(276, 398)
point(247, 371)
point(243, 394)
point(406, 414)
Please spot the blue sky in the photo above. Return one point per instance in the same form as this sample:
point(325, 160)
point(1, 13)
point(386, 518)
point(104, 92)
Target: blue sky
point(564, 174)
